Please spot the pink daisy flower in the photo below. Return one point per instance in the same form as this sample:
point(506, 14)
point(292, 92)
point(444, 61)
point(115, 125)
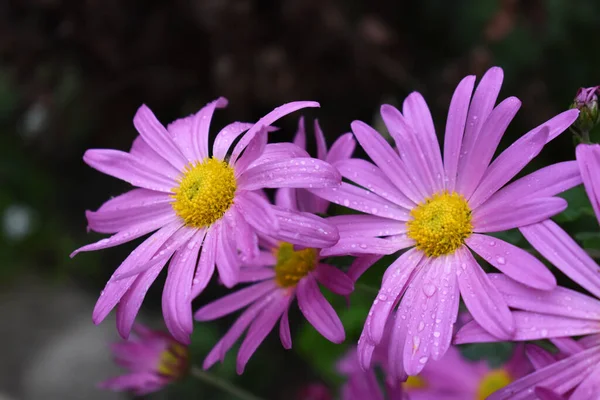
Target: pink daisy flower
point(204, 207)
point(281, 273)
point(153, 358)
point(442, 209)
point(588, 158)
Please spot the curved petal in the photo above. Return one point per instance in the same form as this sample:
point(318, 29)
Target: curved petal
point(252, 152)
point(124, 166)
point(318, 311)
point(140, 383)
point(300, 136)
point(258, 212)
point(227, 259)
point(227, 136)
point(538, 357)
point(455, 128)
point(362, 200)
point(588, 159)
point(560, 123)
point(284, 329)
point(157, 137)
point(557, 247)
point(369, 176)
point(484, 148)
point(361, 264)
point(366, 225)
point(135, 198)
point(245, 238)
point(513, 261)
point(256, 274)
point(286, 198)
point(590, 387)
point(341, 149)
point(274, 152)
point(508, 164)
point(142, 152)
point(321, 143)
point(482, 299)
point(206, 263)
point(367, 245)
point(333, 279)
point(112, 221)
point(267, 120)
point(508, 216)
point(305, 229)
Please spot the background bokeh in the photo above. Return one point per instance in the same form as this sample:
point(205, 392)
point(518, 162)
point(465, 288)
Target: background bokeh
point(73, 72)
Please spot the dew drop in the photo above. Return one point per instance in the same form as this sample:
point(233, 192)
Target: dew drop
point(501, 260)
point(429, 289)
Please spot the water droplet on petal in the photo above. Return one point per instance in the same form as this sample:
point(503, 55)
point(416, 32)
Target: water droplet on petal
point(501, 260)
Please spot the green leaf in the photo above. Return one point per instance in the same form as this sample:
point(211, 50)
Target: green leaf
point(579, 205)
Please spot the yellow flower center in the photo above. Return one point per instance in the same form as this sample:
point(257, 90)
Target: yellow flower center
point(414, 383)
point(293, 265)
point(173, 361)
point(440, 224)
point(206, 191)
point(492, 382)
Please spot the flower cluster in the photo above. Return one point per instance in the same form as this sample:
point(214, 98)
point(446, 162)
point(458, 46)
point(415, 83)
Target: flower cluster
point(436, 208)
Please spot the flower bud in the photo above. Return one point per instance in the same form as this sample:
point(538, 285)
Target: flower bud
point(586, 101)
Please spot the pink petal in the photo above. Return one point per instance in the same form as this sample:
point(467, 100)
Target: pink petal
point(341, 149)
point(369, 176)
point(206, 263)
point(308, 202)
point(333, 279)
point(286, 198)
point(157, 137)
point(139, 382)
point(590, 387)
point(176, 302)
point(257, 211)
point(191, 134)
point(560, 123)
point(513, 261)
point(362, 200)
point(366, 225)
point(567, 346)
point(267, 120)
point(559, 301)
point(227, 136)
point(557, 246)
point(227, 259)
point(259, 329)
point(111, 221)
point(256, 274)
point(143, 153)
point(360, 265)
point(245, 237)
point(482, 299)
point(284, 329)
point(508, 216)
point(367, 245)
point(508, 164)
point(275, 152)
point(305, 229)
point(539, 357)
point(484, 148)
point(318, 311)
point(252, 153)
point(386, 159)
point(418, 116)
point(124, 166)
point(321, 143)
point(482, 105)
point(293, 172)
point(455, 127)
point(545, 182)
point(300, 136)
point(588, 159)
point(135, 198)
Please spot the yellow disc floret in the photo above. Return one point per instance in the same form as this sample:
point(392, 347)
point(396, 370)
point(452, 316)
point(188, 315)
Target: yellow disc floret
point(414, 383)
point(491, 382)
point(205, 192)
point(293, 265)
point(174, 361)
point(440, 224)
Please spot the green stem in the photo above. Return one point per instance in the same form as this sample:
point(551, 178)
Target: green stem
point(225, 386)
point(366, 288)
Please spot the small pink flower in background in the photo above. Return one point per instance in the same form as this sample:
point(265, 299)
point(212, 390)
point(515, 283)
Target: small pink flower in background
point(204, 207)
point(443, 209)
point(153, 360)
point(281, 272)
point(314, 391)
point(586, 101)
point(588, 158)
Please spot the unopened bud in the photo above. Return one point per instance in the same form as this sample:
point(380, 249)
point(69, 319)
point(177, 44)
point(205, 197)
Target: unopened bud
point(586, 101)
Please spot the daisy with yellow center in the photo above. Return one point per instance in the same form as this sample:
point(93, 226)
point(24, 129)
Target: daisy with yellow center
point(442, 209)
point(204, 208)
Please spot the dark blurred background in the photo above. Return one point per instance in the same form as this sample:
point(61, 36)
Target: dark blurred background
point(73, 72)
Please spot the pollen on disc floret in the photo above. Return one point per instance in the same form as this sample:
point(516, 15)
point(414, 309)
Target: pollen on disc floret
point(206, 191)
point(293, 265)
point(440, 224)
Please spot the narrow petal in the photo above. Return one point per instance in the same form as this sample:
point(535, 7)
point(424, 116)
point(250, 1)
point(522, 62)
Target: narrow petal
point(227, 136)
point(367, 225)
point(513, 261)
point(508, 164)
point(484, 148)
point(360, 265)
point(341, 149)
point(369, 176)
point(482, 299)
point(234, 301)
point(368, 245)
point(176, 302)
point(145, 155)
point(567, 346)
point(284, 330)
point(246, 239)
point(286, 198)
point(135, 198)
point(157, 137)
point(482, 104)
point(252, 152)
point(559, 301)
point(560, 377)
point(275, 152)
point(258, 212)
point(300, 136)
point(191, 133)
point(293, 172)
point(124, 166)
point(227, 259)
point(545, 182)
point(206, 263)
point(318, 311)
point(455, 128)
point(112, 221)
point(547, 394)
point(305, 229)
point(418, 116)
point(590, 387)
point(557, 247)
point(256, 274)
point(447, 310)
point(334, 279)
point(139, 382)
point(321, 143)
point(539, 357)
point(588, 158)
point(362, 200)
point(508, 216)
point(392, 288)
point(267, 120)
point(386, 159)
point(560, 123)
point(259, 329)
